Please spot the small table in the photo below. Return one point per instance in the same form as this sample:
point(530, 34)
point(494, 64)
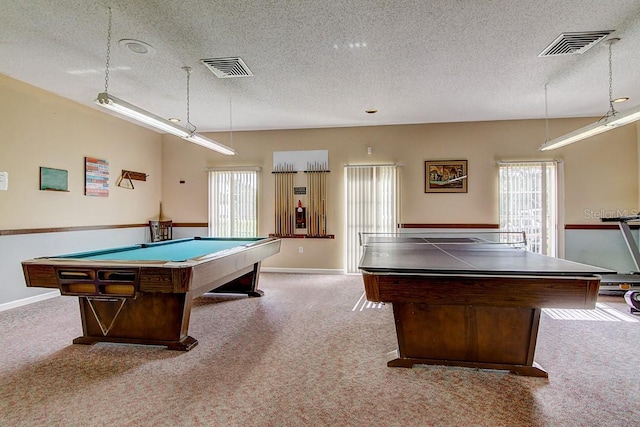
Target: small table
point(466, 301)
point(142, 294)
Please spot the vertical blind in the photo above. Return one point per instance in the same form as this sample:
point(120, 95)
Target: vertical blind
point(371, 206)
point(233, 203)
point(528, 202)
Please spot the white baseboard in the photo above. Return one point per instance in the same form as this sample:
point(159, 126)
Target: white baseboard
point(301, 270)
point(29, 300)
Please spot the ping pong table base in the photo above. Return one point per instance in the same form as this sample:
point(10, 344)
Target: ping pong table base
point(500, 338)
point(485, 322)
point(534, 370)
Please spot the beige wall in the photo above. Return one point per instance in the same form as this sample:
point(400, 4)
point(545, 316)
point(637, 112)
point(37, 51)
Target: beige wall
point(42, 129)
point(600, 173)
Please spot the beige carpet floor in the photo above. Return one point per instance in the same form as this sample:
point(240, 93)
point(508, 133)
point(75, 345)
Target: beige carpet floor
point(308, 353)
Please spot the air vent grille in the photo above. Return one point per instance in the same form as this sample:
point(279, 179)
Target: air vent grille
point(225, 68)
point(574, 43)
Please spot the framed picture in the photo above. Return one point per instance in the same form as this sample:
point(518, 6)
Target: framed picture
point(54, 179)
point(96, 172)
point(445, 176)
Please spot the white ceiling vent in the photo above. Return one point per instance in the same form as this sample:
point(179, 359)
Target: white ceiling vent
point(574, 43)
point(225, 68)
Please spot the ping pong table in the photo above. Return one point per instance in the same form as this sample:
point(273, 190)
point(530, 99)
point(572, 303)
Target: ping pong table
point(470, 301)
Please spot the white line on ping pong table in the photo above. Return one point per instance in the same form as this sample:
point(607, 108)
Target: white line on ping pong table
point(453, 256)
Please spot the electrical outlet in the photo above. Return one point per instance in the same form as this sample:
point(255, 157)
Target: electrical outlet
point(300, 250)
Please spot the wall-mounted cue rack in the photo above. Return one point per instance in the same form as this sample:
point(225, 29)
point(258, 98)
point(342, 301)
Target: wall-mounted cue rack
point(288, 201)
point(127, 177)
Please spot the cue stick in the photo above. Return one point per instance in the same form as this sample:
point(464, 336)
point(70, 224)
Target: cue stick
point(317, 193)
point(275, 205)
point(312, 187)
point(309, 201)
point(323, 177)
point(324, 201)
point(278, 205)
point(288, 201)
point(311, 193)
point(283, 200)
point(316, 176)
point(280, 196)
point(277, 209)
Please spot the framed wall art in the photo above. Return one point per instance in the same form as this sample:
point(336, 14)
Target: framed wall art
point(54, 179)
point(96, 173)
point(445, 176)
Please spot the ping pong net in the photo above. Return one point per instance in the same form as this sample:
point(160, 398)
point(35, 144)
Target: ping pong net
point(514, 239)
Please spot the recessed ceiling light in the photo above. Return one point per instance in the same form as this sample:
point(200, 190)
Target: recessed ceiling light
point(174, 119)
point(136, 46)
point(371, 111)
point(621, 99)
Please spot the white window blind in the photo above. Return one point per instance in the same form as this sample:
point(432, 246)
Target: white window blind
point(370, 204)
point(233, 203)
point(528, 202)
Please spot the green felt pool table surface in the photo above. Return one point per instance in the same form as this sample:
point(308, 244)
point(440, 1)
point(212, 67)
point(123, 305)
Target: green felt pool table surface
point(171, 250)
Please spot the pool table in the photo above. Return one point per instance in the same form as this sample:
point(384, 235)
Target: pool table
point(142, 294)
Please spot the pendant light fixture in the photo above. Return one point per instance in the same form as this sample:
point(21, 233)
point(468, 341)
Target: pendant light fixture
point(197, 138)
point(611, 120)
point(110, 102)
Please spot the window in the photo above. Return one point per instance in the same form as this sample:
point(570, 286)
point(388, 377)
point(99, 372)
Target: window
point(370, 206)
point(528, 202)
point(233, 202)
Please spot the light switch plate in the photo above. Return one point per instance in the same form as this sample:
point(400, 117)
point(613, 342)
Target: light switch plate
point(4, 181)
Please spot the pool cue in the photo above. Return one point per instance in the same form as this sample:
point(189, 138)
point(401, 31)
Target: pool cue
point(323, 186)
point(316, 198)
point(311, 195)
point(288, 201)
point(280, 207)
point(312, 207)
point(309, 201)
point(319, 195)
point(275, 205)
point(283, 201)
point(279, 199)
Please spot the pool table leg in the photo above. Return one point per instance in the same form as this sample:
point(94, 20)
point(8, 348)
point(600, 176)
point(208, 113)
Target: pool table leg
point(151, 318)
point(246, 283)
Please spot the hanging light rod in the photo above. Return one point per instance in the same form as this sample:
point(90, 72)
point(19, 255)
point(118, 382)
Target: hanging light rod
point(119, 106)
point(606, 124)
point(196, 138)
point(611, 120)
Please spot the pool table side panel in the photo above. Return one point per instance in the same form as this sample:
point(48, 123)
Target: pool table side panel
point(541, 292)
point(208, 276)
point(39, 276)
point(162, 279)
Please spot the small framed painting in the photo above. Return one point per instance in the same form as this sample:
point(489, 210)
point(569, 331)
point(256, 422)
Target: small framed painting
point(445, 176)
point(96, 173)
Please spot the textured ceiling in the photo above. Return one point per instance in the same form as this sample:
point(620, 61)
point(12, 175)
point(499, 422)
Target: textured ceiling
point(417, 61)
